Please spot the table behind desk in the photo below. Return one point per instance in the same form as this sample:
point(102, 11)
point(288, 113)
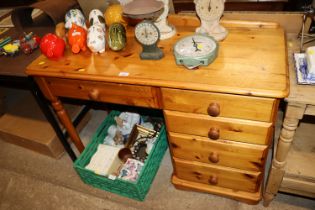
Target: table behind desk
point(12, 75)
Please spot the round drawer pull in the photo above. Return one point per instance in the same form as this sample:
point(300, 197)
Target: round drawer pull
point(94, 94)
point(214, 133)
point(214, 109)
point(213, 157)
point(213, 180)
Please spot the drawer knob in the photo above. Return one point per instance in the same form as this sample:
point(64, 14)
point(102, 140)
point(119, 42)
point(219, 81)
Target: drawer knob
point(214, 133)
point(214, 109)
point(94, 94)
point(213, 157)
point(213, 180)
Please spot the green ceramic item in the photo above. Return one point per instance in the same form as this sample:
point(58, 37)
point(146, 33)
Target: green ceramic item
point(117, 37)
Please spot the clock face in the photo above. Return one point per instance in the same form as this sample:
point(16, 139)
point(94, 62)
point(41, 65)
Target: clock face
point(209, 9)
point(195, 46)
point(147, 33)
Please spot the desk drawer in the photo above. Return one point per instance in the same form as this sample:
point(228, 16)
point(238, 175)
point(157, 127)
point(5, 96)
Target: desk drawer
point(216, 104)
point(217, 176)
point(218, 127)
point(133, 95)
point(220, 152)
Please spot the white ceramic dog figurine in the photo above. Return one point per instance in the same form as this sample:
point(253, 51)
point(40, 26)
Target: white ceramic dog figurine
point(96, 39)
point(96, 17)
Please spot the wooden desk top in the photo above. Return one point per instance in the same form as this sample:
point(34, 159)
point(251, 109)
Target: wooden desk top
point(251, 61)
point(304, 94)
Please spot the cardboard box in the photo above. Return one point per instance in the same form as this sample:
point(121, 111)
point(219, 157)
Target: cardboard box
point(25, 125)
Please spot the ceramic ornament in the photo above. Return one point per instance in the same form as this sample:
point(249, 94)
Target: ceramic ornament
point(77, 38)
point(113, 14)
point(97, 17)
point(117, 37)
point(166, 30)
point(96, 38)
point(52, 46)
point(75, 16)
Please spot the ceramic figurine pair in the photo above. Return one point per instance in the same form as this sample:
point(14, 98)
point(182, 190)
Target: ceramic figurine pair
point(75, 23)
point(79, 38)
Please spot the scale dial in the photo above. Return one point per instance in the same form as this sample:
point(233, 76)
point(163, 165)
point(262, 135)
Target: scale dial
point(195, 50)
point(147, 33)
point(209, 9)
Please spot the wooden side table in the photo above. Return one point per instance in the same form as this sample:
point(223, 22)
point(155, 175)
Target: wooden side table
point(300, 102)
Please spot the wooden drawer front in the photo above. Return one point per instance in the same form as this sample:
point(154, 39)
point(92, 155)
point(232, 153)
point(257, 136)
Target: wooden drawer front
point(217, 176)
point(229, 129)
point(105, 92)
point(220, 152)
point(234, 106)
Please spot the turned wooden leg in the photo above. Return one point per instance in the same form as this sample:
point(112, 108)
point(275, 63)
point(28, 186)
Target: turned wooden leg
point(294, 113)
point(63, 116)
point(66, 121)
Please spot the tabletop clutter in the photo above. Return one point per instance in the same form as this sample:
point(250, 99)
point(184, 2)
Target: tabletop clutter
point(148, 20)
point(27, 43)
point(126, 146)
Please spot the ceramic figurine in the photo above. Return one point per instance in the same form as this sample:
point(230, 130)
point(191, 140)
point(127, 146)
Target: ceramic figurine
point(52, 46)
point(77, 38)
point(113, 14)
point(74, 16)
point(96, 17)
point(125, 122)
point(96, 39)
point(114, 137)
point(117, 36)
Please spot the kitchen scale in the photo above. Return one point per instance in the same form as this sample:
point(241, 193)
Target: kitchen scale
point(195, 50)
point(146, 32)
point(210, 12)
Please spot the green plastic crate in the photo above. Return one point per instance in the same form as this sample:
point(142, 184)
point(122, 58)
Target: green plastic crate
point(135, 190)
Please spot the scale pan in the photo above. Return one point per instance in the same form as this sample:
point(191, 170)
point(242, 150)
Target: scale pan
point(142, 7)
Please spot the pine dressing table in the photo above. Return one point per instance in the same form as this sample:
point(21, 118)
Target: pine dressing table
point(219, 118)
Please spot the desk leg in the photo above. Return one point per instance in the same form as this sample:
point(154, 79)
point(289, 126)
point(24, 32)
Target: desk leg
point(293, 114)
point(66, 121)
point(43, 104)
point(63, 116)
